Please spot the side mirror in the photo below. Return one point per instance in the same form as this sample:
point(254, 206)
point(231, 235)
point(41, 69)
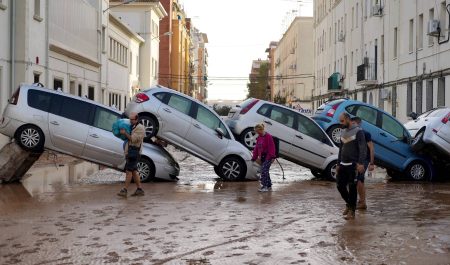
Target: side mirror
point(413, 115)
point(220, 132)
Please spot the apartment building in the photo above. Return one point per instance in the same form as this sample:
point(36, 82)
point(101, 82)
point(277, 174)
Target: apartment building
point(391, 54)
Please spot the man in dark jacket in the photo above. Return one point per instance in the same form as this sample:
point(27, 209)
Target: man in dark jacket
point(352, 154)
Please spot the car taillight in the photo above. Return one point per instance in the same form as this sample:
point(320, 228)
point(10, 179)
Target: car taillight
point(249, 106)
point(446, 118)
point(15, 97)
point(330, 112)
point(141, 97)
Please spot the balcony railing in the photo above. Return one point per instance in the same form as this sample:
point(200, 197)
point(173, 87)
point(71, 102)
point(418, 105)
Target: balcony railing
point(366, 74)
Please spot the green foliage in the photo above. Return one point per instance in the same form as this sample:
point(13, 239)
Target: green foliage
point(221, 110)
point(257, 88)
point(279, 99)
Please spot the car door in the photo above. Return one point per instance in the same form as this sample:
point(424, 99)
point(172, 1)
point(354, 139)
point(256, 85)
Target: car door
point(40, 102)
point(68, 124)
point(202, 138)
point(392, 141)
point(443, 130)
point(279, 123)
point(310, 144)
point(175, 118)
point(101, 144)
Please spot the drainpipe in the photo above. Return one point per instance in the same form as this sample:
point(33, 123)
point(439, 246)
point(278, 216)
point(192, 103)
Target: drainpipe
point(417, 55)
point(12, 47)
point(47, 42)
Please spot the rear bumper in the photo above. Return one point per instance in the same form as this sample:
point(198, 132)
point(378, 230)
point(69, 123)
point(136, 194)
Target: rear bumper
point(434, 139)
point(9, 126)
point(235, 126)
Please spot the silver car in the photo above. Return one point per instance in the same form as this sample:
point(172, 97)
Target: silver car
point(301, 140)
point(193, 127)
point(432, 127)
point(41, 118)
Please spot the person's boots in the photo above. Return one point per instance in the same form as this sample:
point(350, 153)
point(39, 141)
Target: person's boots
point(361, 205)
point(347, 209)
point(350, 215)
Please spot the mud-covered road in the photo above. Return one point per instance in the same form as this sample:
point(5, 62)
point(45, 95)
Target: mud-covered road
point(201, 220)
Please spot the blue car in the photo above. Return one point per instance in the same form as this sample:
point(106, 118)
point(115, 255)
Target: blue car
point(391, 139)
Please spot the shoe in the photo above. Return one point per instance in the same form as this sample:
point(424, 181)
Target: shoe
point(122, 192)
point(345, 212)
point(361, 206)
point(263, 189)
point(350, 215)
point(138, 192)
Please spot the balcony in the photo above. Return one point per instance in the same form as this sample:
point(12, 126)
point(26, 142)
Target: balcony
point(335, 82)
point(366, 74)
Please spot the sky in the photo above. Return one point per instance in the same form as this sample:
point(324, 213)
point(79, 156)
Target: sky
point(239, 31)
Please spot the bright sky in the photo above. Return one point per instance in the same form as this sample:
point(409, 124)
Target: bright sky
point(239, 31)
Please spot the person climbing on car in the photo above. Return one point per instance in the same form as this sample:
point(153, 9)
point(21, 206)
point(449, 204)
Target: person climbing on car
point(264, 154)
point(132, 153)
point(369, 166)
point(352, 154)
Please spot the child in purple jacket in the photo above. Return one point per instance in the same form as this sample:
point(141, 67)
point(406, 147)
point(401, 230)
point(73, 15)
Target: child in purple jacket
point(264, 154)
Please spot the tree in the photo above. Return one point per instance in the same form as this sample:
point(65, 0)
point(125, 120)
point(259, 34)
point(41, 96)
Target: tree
point(221, 110)
point(279, 99)
point(257, 88)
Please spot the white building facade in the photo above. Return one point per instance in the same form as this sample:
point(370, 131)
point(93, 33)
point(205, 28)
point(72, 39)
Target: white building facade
point(294, 64)
point(392, 54)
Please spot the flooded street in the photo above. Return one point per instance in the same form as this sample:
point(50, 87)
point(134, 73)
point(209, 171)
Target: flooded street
point(55, 217)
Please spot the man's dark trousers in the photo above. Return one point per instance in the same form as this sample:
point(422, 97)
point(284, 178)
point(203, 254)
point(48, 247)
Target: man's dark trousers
point(347, 177)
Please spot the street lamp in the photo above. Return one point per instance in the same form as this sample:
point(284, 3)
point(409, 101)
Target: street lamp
point(121, 4)
point(169, 33)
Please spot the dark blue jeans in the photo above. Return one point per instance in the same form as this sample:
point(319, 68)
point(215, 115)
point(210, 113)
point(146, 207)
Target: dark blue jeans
point(346, 184)
point(265, 176)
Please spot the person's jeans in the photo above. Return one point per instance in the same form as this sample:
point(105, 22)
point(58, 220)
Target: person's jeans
point(346, 184)
point(265, 176)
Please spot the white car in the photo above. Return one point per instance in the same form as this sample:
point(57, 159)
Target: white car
point(41, 118)
point(301, 139)
point(194, 127)
point(432, 127)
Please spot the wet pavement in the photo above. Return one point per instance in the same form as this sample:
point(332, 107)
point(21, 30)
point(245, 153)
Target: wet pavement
point(56, 218)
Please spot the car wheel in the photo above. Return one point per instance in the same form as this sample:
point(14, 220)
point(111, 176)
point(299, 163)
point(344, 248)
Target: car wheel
point(150, 125)
point(217, 171)
point(248, 138)
point(317, 174)
point(30, 138)
point(146, 169)
point(232, 168)
point(418, 144)
point(335, 134)
point(331, 170)
point(417, 170)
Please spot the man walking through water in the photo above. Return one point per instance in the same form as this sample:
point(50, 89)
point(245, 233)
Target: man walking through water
point(352, 154)
point(132, 153)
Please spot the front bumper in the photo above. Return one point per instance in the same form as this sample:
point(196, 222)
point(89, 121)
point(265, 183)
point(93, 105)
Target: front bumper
point(252, 170)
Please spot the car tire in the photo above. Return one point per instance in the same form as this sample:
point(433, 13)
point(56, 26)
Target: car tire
point(418, 143)
point(248, 138)
point(335, 134)
point(317, 174)
point(331, 172)
point(232, 168)
point(392, 173)
point(217, 171)
point(150, 124)
point(30, 138)
point(417, 171)
point(146, 169)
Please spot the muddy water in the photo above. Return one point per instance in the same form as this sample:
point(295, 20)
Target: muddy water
point(201, 220)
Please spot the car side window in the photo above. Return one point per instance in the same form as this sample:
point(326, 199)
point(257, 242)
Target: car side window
point(263, 109)
point(104, 119)
point(282, 116)
point(207, 118)
point(76, 110)
point(367, 114)
point(392, 126)
point(160, 96)
point(180, 103)
point(308, 127)
point(351, 109)
point(39, 99)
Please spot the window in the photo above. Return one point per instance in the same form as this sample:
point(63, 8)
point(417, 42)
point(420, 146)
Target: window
point(409, 100)
point(353, 18)
point(103, 39)
point(367, 114)
point(104, 119)
point(429, 93)
point(180, 103)
point(37, 10)
point(395, 43)
point(394, 101)
point(308, 127)
point(131, 63)
point(207, 118)
point(282, 116)
point(263, 109)
point(357, 15)
point(91, 92)
point(118, 52)
point(39, 100)
point(160, 96)
point(443, 19)
point(431, 38)
point(80, 90)
point(382, 49)
point(411, 35)
point(441, 92)
point(36, 77)
point(391, 126)
point(57, 83)
point(419, 96)
point(420, 32)
point(76, 110)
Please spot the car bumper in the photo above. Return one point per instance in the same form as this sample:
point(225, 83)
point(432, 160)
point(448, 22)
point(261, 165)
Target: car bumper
point(9, 126)
point(166, 171)
point(252, 170)
point(435, 140)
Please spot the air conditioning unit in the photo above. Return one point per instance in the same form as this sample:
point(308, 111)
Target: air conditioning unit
point(377, 10)
point(385, 94)
point(341, 36)
point(434, 28)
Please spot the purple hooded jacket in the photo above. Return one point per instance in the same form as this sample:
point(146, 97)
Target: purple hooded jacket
point(264, 145)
